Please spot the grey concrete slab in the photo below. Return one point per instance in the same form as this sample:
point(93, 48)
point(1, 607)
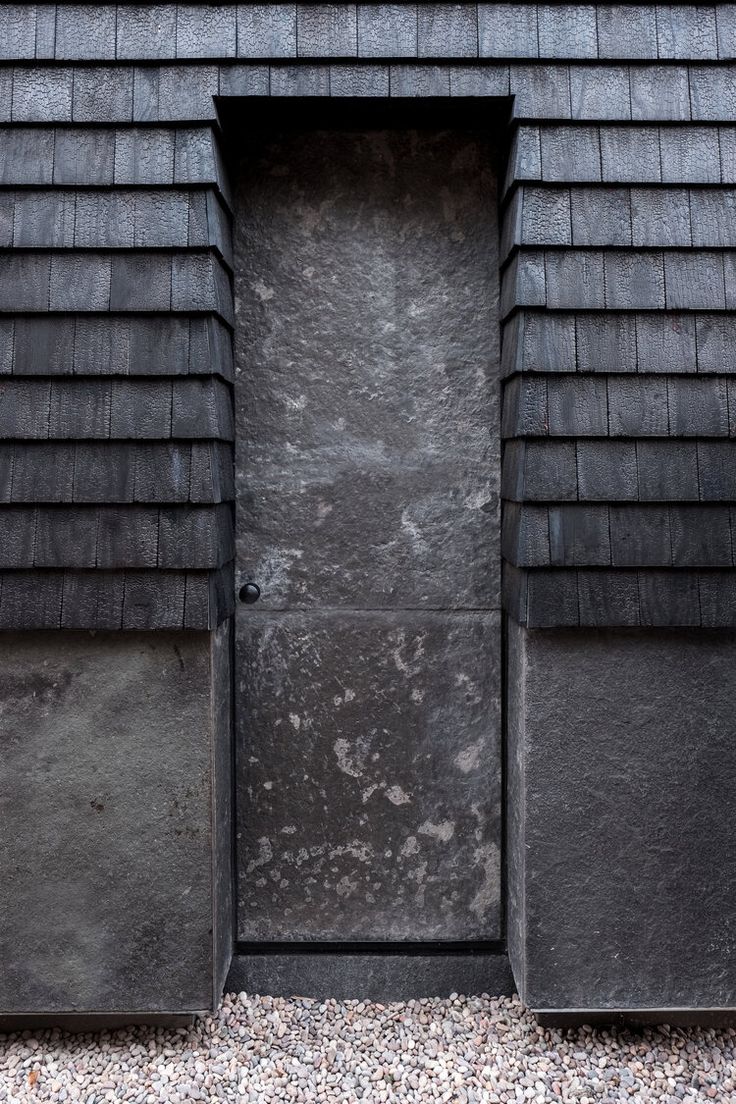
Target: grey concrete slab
point(621, 774)
point(368, 775)
point(107, 809)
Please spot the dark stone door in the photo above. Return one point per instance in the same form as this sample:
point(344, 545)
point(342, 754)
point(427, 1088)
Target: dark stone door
point(368, 675)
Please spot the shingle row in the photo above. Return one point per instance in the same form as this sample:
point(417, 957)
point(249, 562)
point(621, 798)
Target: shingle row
point(637, 93)
point(114, 219)
point(596, 598)
point(129, 600)
point(102, 156)
point(612, 154)
point(668, 216)
point(618, 279)
point(115, 472)
point(126, 281)
point(619, 406)
point(107, 344)
point(77, 31)
point(186, 93)
point(90, 94)
point(596, 470)
point(105, 408)
point(625, 535)
point(569, 153)
point(110, 537)
point(670, 342)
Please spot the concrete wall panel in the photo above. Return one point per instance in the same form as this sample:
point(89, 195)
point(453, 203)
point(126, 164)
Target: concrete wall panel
point(106, 799)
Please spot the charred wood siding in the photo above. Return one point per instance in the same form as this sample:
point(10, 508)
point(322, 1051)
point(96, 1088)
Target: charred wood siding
point(618, 304)
point(115, 406)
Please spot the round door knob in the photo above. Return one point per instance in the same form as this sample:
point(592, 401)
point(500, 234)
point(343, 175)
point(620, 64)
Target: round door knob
point(250, 593)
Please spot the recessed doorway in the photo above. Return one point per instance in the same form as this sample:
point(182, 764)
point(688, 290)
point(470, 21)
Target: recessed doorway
point(368, 675)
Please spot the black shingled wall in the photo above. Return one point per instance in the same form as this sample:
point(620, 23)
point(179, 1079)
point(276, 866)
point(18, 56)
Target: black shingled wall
point(618, 300)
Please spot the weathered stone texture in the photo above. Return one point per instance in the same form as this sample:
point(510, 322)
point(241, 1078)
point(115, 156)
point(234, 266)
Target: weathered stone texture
point(367, 499)
point(622, 768)
point(368, 776)
point(367, 393)
point(106, 807)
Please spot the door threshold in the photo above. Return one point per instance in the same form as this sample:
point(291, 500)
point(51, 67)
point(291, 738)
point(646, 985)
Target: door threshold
point(371, 974)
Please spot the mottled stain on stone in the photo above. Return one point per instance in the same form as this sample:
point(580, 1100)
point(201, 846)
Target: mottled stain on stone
point(468, 758)
point(367, 379)
point(443, 831)
point(375, 825)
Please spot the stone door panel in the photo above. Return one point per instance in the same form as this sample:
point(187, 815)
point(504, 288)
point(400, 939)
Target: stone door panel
point(367, 677)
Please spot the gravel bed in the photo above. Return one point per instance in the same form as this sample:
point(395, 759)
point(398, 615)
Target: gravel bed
point(463, 1050)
